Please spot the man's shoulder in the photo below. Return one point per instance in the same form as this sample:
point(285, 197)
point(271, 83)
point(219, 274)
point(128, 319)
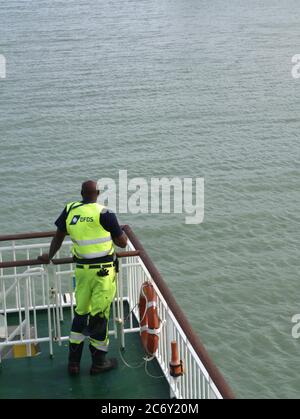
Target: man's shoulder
point(108, 212)
point(109, 222)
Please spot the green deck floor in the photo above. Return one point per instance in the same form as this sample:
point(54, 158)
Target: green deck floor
point(41, 377)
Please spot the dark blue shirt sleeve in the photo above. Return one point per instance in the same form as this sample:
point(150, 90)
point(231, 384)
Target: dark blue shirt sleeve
point(61, 221)
point(109, 222)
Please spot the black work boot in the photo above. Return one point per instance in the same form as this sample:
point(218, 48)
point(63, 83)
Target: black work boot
point(75, 352)
point(100, 363)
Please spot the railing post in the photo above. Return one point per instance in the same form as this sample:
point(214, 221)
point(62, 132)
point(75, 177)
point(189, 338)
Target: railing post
point(4, 315)
point(49, 313)
point(114, 308)
point(169, 338)
point(27, 316)
point(120, 286)
point(57, 305)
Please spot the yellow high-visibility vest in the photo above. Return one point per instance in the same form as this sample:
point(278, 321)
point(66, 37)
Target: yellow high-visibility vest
point(90, 239)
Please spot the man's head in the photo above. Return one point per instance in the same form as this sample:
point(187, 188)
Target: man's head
point(90, 191)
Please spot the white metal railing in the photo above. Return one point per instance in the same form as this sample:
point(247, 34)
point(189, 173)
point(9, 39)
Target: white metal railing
point(195, 382)
point(23, 292)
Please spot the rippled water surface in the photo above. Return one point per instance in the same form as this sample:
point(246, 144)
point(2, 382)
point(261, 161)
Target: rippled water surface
point(171, 88)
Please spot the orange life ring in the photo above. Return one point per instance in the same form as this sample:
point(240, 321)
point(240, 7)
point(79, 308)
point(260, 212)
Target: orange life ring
point(149, 319)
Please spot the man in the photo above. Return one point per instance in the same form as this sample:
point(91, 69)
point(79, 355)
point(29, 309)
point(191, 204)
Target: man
point(93, 230)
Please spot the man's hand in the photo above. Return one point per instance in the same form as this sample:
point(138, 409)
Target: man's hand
point(44, 258)
point(121, 241)
point(54, 247)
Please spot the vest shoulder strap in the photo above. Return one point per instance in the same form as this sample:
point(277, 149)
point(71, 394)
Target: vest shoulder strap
point(73, 205)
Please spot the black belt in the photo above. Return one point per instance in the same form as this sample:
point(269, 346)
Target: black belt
point(107, 265)
point(103, 259)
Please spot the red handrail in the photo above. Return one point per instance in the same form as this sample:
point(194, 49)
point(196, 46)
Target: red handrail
point(27, 236)
point(61, 261)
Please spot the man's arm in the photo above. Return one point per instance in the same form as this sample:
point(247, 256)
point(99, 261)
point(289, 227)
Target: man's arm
point(57, 239)
point(56, 243)
point(54, 247)
point(109, 221)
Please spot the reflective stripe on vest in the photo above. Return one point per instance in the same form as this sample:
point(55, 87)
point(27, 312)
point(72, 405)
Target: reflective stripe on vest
point(90, 239)
point(88, 242)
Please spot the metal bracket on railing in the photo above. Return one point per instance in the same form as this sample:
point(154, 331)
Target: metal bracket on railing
point(52, 292)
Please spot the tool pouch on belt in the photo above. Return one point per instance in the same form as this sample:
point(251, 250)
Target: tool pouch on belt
point(116, 264)
point(103, 272)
